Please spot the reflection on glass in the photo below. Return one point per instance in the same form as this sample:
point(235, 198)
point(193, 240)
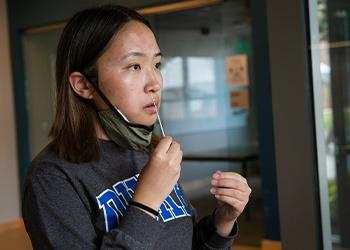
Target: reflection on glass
point(173, 111)
point(201, 76)
point(196, 91)
point(195, 44)
point(203, 108)
point(173, 78)
point(334, 56)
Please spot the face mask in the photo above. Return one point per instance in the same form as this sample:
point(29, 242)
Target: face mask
point(119, 129)
point(123, 133)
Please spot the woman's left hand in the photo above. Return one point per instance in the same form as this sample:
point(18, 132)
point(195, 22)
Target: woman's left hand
point(232, 192)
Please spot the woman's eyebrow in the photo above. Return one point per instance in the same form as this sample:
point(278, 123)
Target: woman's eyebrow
point(139, 54)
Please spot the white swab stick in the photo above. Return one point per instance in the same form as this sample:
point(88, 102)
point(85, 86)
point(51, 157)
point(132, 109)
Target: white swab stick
point(160, 122)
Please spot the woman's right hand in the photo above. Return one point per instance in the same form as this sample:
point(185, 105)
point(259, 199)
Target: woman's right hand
point(159, 176)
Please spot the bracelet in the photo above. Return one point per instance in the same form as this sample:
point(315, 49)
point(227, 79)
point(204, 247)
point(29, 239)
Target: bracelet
point(144, 207)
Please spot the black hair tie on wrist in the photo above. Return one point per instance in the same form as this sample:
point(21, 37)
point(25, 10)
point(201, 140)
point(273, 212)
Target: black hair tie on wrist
point(144, 207)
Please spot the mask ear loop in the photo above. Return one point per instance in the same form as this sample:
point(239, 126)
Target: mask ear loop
point(114, 109)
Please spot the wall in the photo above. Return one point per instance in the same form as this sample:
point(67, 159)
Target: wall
point(9, 191)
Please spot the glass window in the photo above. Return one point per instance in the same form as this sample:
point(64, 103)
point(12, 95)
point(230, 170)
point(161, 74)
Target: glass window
point(201, 76)
point(331, 59)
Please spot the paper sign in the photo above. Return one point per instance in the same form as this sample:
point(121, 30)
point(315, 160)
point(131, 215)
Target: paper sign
point(237, 70)
point(239, 99)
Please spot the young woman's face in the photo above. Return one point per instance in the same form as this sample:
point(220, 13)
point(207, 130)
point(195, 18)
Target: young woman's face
point(129, 73)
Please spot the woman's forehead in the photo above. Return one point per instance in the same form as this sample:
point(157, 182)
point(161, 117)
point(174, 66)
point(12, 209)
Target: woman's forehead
point(134, 37)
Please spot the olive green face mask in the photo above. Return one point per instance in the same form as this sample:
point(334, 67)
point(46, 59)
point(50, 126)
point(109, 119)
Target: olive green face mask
point(118, 128)
point(123, 133)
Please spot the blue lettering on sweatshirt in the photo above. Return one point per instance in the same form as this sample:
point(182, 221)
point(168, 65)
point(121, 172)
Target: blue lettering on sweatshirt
point(114, 202)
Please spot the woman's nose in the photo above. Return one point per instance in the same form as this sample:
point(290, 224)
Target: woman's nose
point(154, 82)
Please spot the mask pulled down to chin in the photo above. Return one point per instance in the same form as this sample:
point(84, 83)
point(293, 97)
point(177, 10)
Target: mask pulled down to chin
point(122, 132)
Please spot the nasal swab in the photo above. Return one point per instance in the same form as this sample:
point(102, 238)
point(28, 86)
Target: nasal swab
point(160, 122)
point(161, 127)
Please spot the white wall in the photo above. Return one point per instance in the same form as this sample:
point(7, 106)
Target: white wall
point(9, 187)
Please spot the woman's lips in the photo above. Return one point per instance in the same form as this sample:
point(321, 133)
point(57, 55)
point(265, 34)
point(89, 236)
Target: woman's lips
point(150, 108)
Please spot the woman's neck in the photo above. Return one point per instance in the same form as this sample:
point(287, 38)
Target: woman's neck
point(100, 132)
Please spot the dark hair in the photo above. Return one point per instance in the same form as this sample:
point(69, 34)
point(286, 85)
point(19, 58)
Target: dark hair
point(84, 39)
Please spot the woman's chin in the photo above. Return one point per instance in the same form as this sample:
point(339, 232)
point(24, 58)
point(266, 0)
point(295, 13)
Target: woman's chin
point(149, 121)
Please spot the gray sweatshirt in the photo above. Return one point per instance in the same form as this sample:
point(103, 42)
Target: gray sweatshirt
point(85, 206)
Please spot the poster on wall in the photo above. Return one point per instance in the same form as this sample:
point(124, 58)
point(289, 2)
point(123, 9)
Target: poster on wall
point(239, 99)
point(237, 70)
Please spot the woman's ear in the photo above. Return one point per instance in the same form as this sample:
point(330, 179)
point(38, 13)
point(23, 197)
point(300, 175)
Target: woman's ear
point(81, 86)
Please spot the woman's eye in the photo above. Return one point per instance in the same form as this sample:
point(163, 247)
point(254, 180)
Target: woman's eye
point(158, 65)
point(135, 67)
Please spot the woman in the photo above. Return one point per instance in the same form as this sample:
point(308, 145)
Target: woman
point(104, 181)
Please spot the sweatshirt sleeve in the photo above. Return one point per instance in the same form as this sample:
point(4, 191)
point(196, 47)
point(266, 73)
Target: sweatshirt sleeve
point(56, 218)
point(205, 236)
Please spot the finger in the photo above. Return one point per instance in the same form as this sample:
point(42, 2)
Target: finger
point(176, 161)
point(243, 197)
point(229, 175)
point(163, 145)
point(174, 149)
point(235, 203)
point(230, 183)
point(179, 157)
